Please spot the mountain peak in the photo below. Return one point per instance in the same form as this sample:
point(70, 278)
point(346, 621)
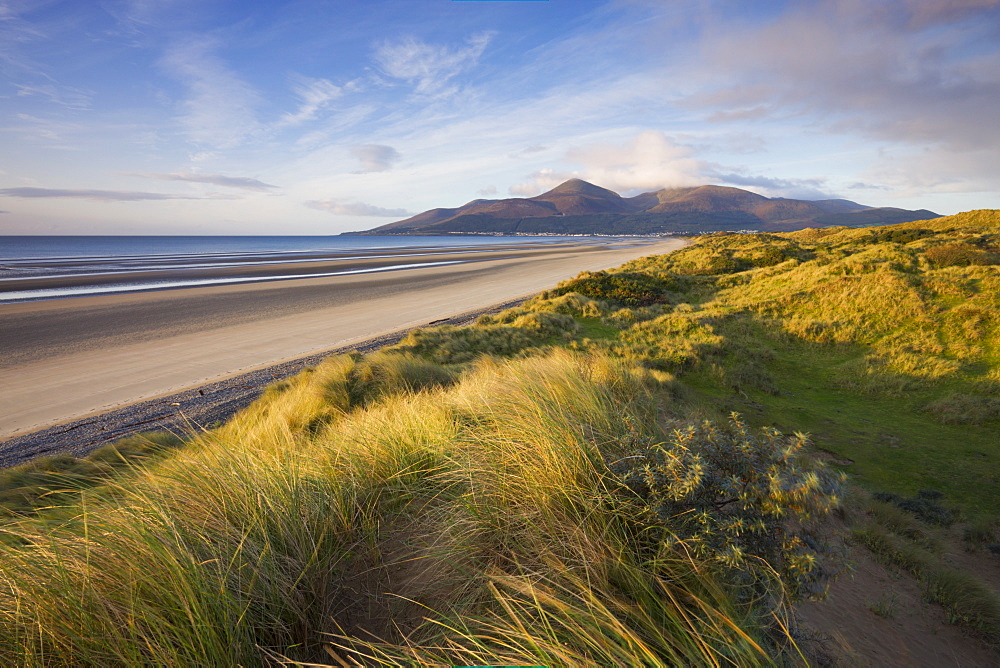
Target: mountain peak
point(580, 187)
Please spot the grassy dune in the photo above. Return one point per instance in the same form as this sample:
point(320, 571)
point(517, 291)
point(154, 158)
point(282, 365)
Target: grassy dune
point(387, 509)
point(881, 342)
point(564, 483)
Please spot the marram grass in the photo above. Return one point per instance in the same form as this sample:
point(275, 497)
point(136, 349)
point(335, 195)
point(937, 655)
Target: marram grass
point(428, 520)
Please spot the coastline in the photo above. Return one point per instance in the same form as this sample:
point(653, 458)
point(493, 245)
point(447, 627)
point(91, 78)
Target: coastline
point(66, 361)
point(192, 409)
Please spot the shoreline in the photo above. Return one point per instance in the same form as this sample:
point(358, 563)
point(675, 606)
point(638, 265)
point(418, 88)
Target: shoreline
point(66, 361)
point(198, 272)
point(194, 408)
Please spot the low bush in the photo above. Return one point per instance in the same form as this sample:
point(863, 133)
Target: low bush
point(737, 498)
point(924, 505)
point(957, 255)
point(620, 288)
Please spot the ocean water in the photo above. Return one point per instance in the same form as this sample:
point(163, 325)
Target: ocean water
point(53, 267)
point(14, 248)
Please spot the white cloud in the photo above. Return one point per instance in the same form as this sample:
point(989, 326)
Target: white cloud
point(66, 96)
point(375, 157)
point(540, 181)
point(98, 195)
point(243, 182)
point(430, 67)
point(345, 207)
point(219, 110)
point(650, 161)
point(316, 95)
point(43, 129)
point(807, 189)
point(488, 190)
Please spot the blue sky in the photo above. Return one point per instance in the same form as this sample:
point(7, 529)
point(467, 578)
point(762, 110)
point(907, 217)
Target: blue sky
point(322, 116)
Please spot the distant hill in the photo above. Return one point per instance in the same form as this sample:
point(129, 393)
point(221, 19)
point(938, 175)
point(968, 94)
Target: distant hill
point(578, 207)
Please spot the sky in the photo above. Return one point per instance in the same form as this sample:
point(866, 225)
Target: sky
point(325, 116)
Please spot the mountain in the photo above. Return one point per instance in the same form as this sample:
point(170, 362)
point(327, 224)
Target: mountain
point(579, 207)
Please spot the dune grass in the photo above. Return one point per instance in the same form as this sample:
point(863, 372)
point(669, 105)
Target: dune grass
point(52, 480)
point(384, 509)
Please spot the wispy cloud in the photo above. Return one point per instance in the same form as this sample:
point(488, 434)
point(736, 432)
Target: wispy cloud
point(219, 110)
point(375, 157)
point(315, 95)
point(243, 182)
point(66, 96)
point(47, 130)
point(345, 207)
point(97, 195)
point(29, 76)
point(810, 188)
point(429, 67)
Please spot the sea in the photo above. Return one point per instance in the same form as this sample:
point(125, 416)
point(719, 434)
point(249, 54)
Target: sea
point(57, 267)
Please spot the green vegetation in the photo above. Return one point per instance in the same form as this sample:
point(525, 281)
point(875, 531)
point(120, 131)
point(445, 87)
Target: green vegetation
point(615, 472)
point(856, 336)
point(390, 508)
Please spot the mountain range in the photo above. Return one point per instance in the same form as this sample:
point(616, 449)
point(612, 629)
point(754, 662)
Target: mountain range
point(579, 207)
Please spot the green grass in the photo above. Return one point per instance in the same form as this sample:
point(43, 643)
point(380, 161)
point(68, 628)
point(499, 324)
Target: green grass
point(887, 356)
point(891, 443)
point(52, 481)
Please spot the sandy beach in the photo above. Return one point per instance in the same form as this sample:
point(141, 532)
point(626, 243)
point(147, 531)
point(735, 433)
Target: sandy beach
point(64, 359)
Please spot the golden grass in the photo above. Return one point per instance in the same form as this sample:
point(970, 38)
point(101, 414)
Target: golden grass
point(470, 522)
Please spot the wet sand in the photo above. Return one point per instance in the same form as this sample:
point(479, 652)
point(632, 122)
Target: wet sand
point(65, 359)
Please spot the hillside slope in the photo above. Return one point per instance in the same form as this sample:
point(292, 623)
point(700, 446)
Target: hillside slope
point(578, 207)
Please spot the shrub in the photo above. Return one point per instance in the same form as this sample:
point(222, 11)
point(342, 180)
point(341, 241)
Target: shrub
point(924, 505)
point(898, 235)
point(454, 345)
point(625, 288)
point(768, 256)
point(956, 255)
point(734, 498)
